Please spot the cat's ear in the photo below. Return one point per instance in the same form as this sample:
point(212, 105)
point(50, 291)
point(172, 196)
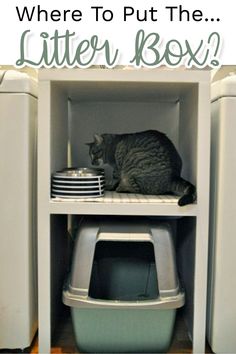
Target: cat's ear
point(98, 139)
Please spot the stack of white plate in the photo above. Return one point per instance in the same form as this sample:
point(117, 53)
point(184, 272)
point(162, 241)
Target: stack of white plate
point(78, 183)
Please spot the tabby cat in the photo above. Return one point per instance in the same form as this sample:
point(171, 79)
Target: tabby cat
point(145, 162)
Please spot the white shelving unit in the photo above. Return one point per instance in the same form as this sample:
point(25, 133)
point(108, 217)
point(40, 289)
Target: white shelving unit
point(73, 105)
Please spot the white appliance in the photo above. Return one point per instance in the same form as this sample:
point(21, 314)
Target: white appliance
point(221, 322)
point(18, 295)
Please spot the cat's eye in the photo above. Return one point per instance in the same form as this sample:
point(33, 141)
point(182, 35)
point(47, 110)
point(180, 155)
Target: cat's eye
point(98, 152)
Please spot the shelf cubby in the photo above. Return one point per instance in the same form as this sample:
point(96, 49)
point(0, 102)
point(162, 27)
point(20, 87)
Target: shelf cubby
point(73, 105)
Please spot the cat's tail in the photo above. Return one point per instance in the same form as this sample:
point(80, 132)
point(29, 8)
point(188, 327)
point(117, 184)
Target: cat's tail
point(185, 189)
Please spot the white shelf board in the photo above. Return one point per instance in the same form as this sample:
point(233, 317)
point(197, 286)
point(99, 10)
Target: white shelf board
point(123, 204)
point(108, 75)
point(124, 85)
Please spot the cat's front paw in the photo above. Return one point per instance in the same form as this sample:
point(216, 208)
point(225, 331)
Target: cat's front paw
point(122, 189)
point(110, 187)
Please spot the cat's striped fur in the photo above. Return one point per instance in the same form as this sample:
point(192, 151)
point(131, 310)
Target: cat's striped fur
point(145, 162)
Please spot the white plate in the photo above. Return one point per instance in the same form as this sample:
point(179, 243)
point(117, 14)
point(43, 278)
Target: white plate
point(77, 177)
point(72, 182)
point(76, 196)
point(61, 191)
point(75, 188)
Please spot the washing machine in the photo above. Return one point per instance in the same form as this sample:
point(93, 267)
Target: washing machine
point(221, 316)
point(18, 294)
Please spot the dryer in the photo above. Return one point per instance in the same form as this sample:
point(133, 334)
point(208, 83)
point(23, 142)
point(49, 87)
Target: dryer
point(18, 295)
point(221, 316)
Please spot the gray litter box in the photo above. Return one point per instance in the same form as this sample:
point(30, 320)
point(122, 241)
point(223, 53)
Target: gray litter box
point(123, 290)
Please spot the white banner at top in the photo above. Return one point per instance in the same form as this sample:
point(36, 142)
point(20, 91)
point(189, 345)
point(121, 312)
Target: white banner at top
point(139, 33)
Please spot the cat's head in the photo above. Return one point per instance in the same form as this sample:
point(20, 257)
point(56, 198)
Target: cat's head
point(97, 150)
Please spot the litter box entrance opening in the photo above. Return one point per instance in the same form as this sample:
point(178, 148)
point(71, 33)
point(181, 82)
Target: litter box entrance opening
point(124, 271)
